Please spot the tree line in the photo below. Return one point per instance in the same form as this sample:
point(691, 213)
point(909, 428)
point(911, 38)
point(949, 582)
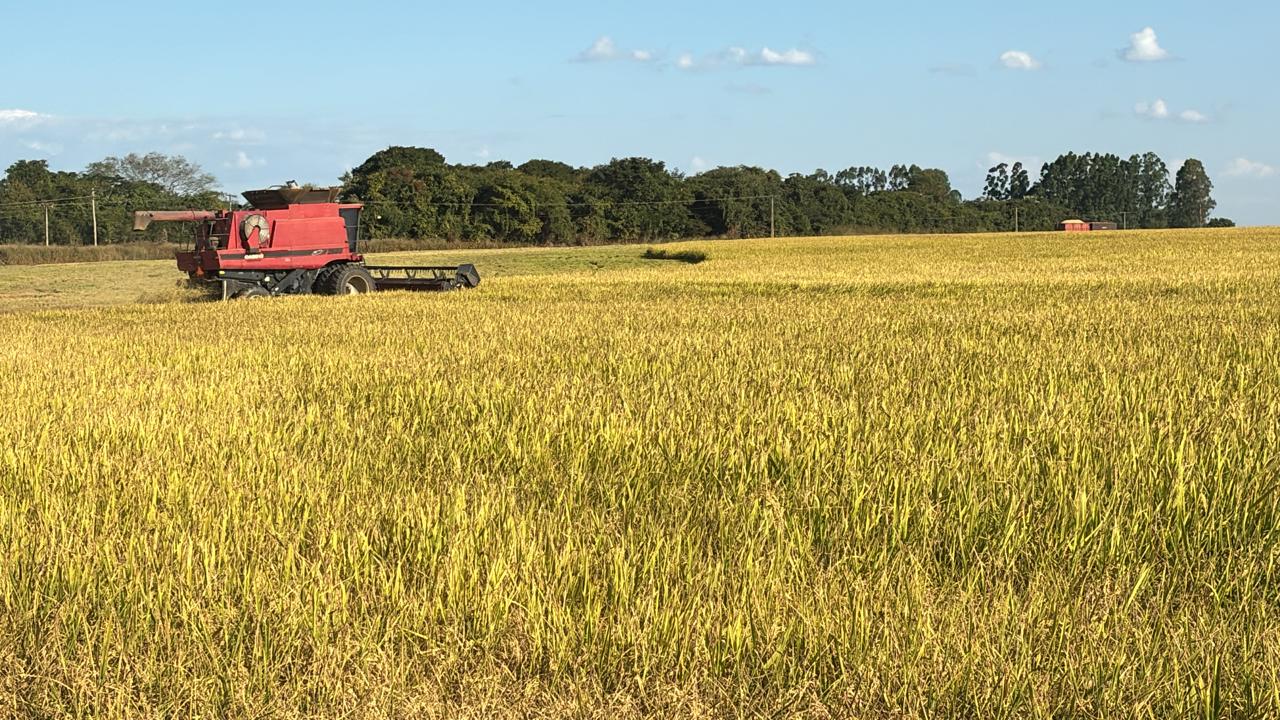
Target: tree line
point(415, 193)
point(30, 193)
point(1103, 186)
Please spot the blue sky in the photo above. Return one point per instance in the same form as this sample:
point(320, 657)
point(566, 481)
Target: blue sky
point(260, 93)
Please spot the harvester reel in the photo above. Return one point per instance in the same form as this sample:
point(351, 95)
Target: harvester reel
point(259, 222)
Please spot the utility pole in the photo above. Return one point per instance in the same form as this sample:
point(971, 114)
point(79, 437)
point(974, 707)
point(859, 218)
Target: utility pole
point(772, 226)
point(1015, 218)
point(46, 226)
point(93, 205)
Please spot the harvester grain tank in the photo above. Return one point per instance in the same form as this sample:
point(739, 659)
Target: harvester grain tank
point(294, 240)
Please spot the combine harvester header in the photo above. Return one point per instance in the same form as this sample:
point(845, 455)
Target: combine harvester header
point(294, 241)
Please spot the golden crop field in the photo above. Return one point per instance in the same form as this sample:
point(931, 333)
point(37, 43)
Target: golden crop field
point(968, 476)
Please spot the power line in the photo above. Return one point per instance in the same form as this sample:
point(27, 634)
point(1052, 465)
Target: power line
point(597, 203)
point(50, 201)
point(117, 201)
point(35, 214)
point(34, 211)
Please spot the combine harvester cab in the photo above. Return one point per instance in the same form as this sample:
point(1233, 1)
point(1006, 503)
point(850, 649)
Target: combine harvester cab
point(294, 241)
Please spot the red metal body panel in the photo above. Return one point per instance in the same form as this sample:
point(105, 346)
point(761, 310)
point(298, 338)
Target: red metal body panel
point(281, 245)
point(300, 237)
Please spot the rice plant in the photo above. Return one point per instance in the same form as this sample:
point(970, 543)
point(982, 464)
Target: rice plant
point(977, 476)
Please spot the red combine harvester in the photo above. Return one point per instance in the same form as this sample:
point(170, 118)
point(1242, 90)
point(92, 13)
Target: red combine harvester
point(295, 241)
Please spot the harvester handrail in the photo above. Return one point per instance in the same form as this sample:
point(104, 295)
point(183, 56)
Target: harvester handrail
point(447, 268)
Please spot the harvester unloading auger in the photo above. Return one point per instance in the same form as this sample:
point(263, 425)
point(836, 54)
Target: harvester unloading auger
point(294, 241)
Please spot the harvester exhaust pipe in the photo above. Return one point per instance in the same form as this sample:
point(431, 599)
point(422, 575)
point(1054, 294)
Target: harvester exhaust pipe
point(142, 219)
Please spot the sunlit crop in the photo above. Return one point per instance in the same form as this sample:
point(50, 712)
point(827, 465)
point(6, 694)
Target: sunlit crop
point(870, 477)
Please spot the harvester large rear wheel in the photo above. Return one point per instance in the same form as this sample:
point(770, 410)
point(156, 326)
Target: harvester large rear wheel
point(251, 293)
point(347, 279)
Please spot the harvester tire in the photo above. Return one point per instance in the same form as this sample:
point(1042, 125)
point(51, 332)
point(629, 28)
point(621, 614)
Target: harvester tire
point(345, 279)
point(252, 293)
point(320, 284)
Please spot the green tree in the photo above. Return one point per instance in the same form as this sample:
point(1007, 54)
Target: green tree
point(645, 201)
point(1103, 186)
point(413, 158)
point(862, 180)
point(813, 204)
point(930, 182)
point(28, 186)
point(735, 201)
point(1019, 182)
point(1192, 200)
point(899, 176)
point(552, 170)
point(1151, 197)
point(997, 187)
point(173, 173)
point(1064, 180)
point(506, 209)
point(412, 192)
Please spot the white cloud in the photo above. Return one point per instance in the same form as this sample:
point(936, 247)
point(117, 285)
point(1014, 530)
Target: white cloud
point(604, 49)
point(1157, 110)
point(158, 135)
point(307, 148)
point(1243, 167)
point(1019, 60)
point(741, 57)
point(786, 57)
point(17, 115)
point(20, 119)
point(1144, 47)
point(40, 146)
point(238, 134)
point(242, 161)
point(698, 165)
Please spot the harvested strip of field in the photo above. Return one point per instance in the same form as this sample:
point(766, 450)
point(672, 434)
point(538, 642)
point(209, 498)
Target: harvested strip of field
point(975, 477)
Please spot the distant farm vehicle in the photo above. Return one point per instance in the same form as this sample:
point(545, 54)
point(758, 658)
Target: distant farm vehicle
point(1087, 225)
point(294, 241)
